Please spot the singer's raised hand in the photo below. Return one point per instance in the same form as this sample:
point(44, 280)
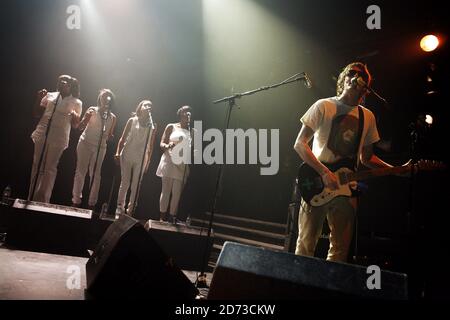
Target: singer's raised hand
point(75, 121)
point(86, 118)
point(40, 103)
point(41, 93)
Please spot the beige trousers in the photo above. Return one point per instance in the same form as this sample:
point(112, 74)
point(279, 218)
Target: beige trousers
point(340, 214)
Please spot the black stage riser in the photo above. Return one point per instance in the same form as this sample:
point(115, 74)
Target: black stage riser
point(40, 229)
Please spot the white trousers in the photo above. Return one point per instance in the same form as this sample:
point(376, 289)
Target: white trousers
point(47, 173)
point(170, 187)
point(86, 157)
point(340, 214)
point(129, 169)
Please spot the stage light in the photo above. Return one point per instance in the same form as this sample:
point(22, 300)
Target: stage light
point(428, 119)
point(429, 43)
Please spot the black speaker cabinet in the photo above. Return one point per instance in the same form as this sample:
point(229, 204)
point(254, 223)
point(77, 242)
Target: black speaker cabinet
point(247, 272)
point(129, 264)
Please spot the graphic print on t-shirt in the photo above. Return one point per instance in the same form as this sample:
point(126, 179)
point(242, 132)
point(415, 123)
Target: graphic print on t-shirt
point(343, 134)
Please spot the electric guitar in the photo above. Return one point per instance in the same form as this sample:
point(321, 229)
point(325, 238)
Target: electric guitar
point(313, 191)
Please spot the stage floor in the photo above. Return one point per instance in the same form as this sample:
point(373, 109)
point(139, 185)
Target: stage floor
point(26, 275)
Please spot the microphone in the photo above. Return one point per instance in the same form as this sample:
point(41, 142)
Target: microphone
point(360, 81)
point(104, 119)
point(108, 102)
point(308, 83)
point(106, 112)
point(188, 114)
point(150, 119)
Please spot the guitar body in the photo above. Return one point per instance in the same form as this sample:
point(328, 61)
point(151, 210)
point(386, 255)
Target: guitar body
point(312, 188)
point(313, 191)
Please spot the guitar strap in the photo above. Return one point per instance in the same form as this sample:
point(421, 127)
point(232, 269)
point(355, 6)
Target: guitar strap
point(356, 192)
point(360, 130)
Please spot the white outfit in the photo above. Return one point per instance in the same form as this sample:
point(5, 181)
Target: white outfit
point(57, 142)
point(335, 127)
point(87, 150)
point(131, 160)
point(174, 176)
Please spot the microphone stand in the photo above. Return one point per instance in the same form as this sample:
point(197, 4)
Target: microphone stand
point(104, 123)
point(105, 206)
point(416, 283)
point(186, 164)
point(136, 196)
point(360, 82)
point(201, 279)
point(41, 157)
point(377, 95)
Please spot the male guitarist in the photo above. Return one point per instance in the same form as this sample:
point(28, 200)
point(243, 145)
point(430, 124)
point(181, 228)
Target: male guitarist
point(342, 130)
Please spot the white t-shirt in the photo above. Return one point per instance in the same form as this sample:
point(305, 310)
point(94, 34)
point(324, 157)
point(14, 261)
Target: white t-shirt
point(335, 127)
point(94, 128)
point(59, 132)
point(134, 146)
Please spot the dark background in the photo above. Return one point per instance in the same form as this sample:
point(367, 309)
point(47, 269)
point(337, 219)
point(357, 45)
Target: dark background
point(192, 52)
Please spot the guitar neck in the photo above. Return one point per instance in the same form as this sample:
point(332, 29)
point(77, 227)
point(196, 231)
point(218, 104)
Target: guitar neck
point(354, 176)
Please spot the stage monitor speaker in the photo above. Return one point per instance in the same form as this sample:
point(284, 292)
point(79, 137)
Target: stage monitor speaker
point(247, 272)
point(50, 228)
point(185, 244)
point(129, 264)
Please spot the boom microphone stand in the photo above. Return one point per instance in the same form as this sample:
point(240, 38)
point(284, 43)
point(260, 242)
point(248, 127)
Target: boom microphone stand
point(416, 280)
point(186, 164)
point(201, 280)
